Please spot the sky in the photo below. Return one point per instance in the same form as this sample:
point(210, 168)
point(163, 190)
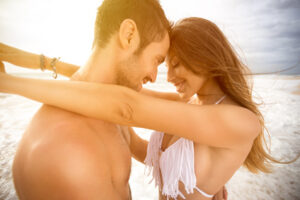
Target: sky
point(266, 34)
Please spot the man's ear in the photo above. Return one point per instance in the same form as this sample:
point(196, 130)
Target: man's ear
point(128, 35)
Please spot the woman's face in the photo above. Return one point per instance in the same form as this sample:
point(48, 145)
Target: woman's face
point(186, 82)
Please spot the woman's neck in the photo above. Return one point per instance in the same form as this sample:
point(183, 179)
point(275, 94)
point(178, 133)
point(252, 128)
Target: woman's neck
point(210, 93)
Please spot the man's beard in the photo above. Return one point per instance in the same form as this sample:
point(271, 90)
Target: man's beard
point(126, 73)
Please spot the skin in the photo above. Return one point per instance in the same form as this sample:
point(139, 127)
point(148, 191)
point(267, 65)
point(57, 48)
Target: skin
point(221, 147)
point(137, 145)
point(64, 155)
point(219, 150)
point(209, 161)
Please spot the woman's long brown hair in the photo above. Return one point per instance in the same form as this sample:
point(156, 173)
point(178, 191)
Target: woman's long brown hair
point(202, 48)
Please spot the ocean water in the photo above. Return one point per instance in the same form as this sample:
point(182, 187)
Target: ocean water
point(281, 110)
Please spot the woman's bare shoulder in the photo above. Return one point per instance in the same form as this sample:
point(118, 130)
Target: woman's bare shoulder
point(246, 120)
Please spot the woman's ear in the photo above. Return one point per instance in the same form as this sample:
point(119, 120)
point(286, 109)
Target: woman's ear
point(128, 35)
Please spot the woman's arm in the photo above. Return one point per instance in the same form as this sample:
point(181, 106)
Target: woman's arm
point(29, 60)
point(138, 146)
point(163, 95)
point(213, 125)
point(32, 61)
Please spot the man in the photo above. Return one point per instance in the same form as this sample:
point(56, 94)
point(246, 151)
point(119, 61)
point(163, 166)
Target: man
point(63, 155)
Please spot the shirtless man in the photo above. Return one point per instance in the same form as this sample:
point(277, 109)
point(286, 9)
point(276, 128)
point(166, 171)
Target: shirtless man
point(66, 156)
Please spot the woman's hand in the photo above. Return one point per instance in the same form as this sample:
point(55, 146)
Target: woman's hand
point(4, 79)
point(2, 67)
point(221, 195)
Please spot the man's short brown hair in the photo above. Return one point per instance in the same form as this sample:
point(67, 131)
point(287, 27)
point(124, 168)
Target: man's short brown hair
point(148, 15)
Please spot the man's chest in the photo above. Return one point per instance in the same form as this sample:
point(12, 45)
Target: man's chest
point(115, 140)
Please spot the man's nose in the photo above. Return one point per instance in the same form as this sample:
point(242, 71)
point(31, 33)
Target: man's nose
point(153, 76)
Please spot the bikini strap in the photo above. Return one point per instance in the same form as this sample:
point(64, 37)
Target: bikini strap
point(203, 193)
point(221, 99)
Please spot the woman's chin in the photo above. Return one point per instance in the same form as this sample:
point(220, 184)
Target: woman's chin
point(185, 95)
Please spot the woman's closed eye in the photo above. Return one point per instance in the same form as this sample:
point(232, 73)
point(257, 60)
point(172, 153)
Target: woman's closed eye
point(176, 65)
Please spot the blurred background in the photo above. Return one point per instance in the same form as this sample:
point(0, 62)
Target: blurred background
point(266, 34)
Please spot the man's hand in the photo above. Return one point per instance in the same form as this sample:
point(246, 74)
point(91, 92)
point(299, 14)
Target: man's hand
point(2, 67)
point(221, 195)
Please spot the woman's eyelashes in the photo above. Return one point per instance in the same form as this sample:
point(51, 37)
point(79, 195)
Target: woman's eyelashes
point(160, 60)
point(172, 66)
point(176, 65)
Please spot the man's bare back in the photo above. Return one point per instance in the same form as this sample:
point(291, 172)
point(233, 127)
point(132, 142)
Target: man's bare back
point(63, 155)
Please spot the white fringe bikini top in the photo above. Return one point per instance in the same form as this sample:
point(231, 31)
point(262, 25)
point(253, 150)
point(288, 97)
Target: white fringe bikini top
point(175, 164)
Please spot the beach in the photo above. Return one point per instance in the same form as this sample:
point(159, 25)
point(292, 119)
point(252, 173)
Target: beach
point(281, 108)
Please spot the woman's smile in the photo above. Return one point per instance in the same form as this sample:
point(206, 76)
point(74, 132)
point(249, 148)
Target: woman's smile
point(180, 86)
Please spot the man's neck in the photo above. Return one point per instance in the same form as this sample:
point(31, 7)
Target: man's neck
point(99, 68)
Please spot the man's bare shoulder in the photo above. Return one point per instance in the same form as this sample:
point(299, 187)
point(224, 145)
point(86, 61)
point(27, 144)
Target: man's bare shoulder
point(53, 127)
point(63, 145)
point(49, 118)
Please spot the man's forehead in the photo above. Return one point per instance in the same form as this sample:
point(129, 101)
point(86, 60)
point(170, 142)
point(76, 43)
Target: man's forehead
point(158, 48)
point(165, 44)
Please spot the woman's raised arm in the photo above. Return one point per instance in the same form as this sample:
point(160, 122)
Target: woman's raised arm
point(213, 125)
point(29, 60)
point(163, 95)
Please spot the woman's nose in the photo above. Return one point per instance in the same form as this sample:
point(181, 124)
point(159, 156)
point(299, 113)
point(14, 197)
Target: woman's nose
point(170, 75)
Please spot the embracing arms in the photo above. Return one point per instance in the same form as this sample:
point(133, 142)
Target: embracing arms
point(213, 125)
point(138, 146)
point(30, 60)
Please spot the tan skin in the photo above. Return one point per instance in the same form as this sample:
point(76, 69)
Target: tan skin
point(64, 155)
point(43, 167)
point(138, 150)
point(219, 150)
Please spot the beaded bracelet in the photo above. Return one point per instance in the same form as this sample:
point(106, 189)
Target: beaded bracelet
point(52, 64)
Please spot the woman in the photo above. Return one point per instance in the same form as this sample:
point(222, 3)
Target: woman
point(198, 145)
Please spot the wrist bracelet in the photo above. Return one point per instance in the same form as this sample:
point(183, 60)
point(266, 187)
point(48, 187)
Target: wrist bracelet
point(52, 64)
point(42, 62)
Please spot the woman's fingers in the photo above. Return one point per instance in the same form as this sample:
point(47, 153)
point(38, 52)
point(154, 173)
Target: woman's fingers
point(225, 193)
point(221, 195)
point(2, 67)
